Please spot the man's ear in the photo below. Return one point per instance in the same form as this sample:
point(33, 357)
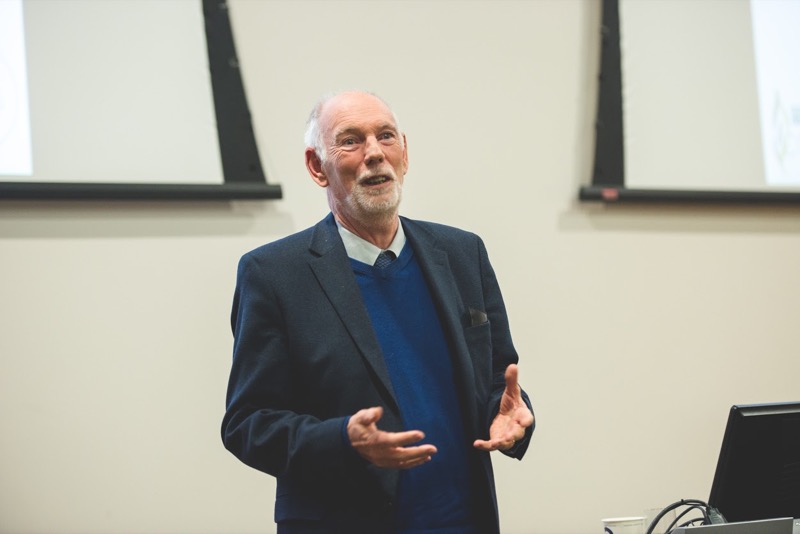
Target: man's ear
point(314, 166)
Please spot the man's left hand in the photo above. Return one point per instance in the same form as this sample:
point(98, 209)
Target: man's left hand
point(511, 421)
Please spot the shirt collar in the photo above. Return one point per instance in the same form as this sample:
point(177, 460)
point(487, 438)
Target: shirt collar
point(362, 250)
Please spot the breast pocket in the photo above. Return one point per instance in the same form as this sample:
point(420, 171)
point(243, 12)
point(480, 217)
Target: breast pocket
point(479, 341)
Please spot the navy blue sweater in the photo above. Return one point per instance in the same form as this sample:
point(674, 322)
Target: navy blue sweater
point(434, 497)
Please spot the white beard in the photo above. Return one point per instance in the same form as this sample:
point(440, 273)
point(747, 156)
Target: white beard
point(372, 206)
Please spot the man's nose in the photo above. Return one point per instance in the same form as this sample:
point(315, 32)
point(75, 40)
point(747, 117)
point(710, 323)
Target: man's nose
point(373, 153)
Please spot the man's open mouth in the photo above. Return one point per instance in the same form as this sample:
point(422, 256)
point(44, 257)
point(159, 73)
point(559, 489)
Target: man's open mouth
point(375, 180)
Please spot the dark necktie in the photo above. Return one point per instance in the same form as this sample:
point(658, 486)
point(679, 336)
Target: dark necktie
point(384, 259)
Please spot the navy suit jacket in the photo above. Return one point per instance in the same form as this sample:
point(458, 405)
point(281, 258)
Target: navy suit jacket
point(306, 357)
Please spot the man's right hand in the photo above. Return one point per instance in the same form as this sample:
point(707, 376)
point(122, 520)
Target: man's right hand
point(386, 449)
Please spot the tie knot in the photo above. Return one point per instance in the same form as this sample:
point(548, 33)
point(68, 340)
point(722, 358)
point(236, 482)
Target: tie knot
point(384, 259)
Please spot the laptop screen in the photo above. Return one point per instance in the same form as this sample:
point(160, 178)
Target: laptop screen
point(758, 471)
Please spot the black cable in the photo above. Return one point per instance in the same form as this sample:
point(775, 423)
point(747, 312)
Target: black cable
point(683, 502)
point(682, 514)
point(691, 522)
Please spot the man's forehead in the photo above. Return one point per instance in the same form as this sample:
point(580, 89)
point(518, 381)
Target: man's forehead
point(357, 111)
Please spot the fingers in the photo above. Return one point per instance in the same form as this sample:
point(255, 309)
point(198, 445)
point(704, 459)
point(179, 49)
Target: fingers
point(502, 443)
point(484, 445)
point(412, 461)
point(494, 444)
point(362, 428)
point(502, 436)
point(386, 449)
point(507, 428)
point(396, 449)
point(408, 457)
point(400, 439)
point(384, 455)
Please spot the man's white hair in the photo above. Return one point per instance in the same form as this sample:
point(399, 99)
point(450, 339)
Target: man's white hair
point(313, 136)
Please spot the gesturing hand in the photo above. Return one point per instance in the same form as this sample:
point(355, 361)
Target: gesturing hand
point(511, 421)
point(386, 449)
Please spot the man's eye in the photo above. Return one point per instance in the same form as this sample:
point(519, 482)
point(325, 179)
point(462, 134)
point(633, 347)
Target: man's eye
point(386, 136)
point(348, 142)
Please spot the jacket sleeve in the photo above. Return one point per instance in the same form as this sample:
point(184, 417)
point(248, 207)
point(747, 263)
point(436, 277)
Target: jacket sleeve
point(503, 351)
point(262, 426)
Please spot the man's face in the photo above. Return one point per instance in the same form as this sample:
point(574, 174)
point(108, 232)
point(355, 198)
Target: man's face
point(366, 158)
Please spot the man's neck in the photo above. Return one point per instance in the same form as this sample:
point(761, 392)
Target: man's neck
point(380, 232)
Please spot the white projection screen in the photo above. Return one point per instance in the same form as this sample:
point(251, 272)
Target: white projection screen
point(699, 101)
point(129, 99)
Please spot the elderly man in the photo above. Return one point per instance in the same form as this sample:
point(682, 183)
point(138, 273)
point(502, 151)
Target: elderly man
point(373, 368)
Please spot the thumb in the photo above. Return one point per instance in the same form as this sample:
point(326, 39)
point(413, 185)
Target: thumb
point(369, 416)
point(512, 376)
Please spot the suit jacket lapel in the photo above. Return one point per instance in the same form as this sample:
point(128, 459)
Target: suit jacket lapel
point(447, 298)
point(331, 266)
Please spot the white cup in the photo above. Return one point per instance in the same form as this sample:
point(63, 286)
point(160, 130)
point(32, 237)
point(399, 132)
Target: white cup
point(625, 525)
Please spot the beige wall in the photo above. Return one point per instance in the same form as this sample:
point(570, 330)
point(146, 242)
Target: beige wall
point(637, 327)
